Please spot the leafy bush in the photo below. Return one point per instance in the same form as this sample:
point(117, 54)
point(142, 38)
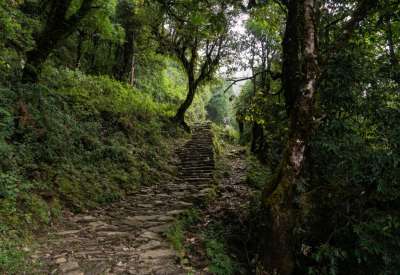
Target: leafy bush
point(353, 174)
point(75, 141)
point(220, 262)
point(258, 175)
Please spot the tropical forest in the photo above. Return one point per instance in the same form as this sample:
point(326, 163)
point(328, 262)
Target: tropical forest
point(200, 137)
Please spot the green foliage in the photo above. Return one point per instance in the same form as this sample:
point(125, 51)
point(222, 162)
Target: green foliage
point(15, 37)
point(12, 257)
point(219, 109)
point(220, 262)
point(269, 113)
point(355, 166)
point(176, 234)
point(212, 238)
point(258, 174)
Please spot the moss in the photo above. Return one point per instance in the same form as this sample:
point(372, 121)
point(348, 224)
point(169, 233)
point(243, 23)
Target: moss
point(71, 193)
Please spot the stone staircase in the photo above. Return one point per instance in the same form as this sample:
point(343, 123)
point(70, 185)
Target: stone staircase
point(197, 156)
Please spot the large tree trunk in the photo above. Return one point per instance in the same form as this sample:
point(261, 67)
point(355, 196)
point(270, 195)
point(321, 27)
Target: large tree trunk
point(392, 53)
point(46, 40)
point(79, 48)
point(180, 114)
point(257, 137)
point(300, 72)
point(57, 28)
point(123, 69)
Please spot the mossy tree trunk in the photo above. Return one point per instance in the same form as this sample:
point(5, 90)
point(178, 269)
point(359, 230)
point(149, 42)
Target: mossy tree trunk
point(391, 45)
point(180, 114)
point(57, 28)
point(300, 72)
point(124, 69)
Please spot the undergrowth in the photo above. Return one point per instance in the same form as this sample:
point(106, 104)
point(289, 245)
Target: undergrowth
point(220, 262)
point(176, 234)
point(212, 241)
point(258, 174)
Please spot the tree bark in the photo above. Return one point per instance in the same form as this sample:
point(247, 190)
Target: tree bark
point(395, 75)
point(79, 48)
point(180, 114)
point(300, 73)
point(56, 29)
point(132, 74)
point(123, 69)
point(257, 137)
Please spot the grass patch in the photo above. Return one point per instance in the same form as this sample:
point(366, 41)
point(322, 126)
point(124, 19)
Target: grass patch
point(14, 253)
point(176, 234)
point(211, 240)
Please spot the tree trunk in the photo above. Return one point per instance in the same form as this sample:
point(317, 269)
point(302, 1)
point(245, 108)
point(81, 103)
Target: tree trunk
point(392, 53)
point(132, 74)
point(93, 57)
point(79, 49)
point(34, 60)
point(180, 114)
point(300, 72)
point(57, 28)
point(123, 69)
point(257, 136)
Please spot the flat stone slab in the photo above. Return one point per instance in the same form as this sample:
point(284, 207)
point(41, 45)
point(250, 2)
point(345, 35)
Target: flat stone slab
point(158, 253)
point(69, 266)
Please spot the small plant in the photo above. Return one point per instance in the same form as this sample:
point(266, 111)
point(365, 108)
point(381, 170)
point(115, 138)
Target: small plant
point(176, 234)
point(13, 257)
point(220, 262)
point(257, 174)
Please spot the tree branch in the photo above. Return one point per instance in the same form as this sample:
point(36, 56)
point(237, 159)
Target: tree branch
point(360, 13)
point(274, 76)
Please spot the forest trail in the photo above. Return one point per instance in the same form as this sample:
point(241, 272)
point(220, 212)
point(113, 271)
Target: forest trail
point(128, 237)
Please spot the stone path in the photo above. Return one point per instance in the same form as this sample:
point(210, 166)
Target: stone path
point(128, 237)
point(197, 156)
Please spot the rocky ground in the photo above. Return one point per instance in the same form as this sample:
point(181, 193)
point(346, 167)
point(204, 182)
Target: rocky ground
point(128, 237)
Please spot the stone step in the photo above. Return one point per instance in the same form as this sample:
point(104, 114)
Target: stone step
point(198, 153)
point(194, 175)
point(199, 180)
point(196, 158)
point(190, 163)
point(198, 169)
point(196, 149)
point(194, 172)
point(206, 171)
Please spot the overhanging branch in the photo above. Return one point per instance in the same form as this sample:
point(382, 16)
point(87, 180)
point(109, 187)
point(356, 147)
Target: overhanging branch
point(274, 76)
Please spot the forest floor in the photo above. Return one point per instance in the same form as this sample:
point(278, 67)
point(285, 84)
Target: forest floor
point(134, 236)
